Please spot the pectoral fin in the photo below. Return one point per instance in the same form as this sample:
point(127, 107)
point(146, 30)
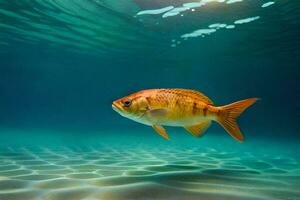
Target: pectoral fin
point(157, 112)
point(198, 129)
point(161, 131)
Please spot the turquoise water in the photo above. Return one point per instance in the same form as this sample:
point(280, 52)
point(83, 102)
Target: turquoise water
point(62, 63)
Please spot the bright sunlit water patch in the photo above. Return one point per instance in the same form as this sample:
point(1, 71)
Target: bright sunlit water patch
point(230, 26)
point(233, 1)
point(217, 25)
point(214, 27)
point(175, 11)
point(267, 4)
point(246, 20)
point(180, 9)
point(155, 12)
point(200, 32)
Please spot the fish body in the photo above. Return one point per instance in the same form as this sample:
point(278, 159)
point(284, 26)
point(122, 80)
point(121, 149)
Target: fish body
point(182, 108)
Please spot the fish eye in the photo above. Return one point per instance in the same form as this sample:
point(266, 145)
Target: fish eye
point(127, 102)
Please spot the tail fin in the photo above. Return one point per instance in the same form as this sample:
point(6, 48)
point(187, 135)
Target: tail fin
point(228, 115)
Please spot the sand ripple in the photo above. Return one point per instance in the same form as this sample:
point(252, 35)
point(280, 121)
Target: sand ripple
point(134, 174)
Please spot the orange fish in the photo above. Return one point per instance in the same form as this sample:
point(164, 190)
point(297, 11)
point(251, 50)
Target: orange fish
point(180, 107)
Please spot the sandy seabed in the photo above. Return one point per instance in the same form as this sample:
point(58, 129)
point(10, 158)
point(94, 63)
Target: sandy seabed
point(145, 173)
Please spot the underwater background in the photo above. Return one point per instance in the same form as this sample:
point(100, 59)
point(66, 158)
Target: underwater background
point(63, 62)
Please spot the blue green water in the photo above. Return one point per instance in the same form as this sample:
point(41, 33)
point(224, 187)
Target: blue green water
point(62, 63)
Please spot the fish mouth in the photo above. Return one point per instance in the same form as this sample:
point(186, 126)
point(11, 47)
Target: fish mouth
point(116, 107)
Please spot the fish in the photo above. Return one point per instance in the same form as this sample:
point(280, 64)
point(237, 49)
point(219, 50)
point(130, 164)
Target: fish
point(185, 108)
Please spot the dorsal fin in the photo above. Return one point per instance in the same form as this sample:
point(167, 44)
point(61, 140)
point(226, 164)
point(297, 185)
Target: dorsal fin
point(199, 95)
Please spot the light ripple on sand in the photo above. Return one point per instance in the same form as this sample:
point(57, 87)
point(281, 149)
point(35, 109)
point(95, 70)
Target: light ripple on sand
point(68, 194)
point(12, 184)
point(59, 184)
point(37, 177)
point(45, 167)
point(157, 191)
point(113, 174)
point(9, 167)
point(13, 173)
point(83, 175)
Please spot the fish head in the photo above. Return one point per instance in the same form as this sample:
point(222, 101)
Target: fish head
point(132, 106)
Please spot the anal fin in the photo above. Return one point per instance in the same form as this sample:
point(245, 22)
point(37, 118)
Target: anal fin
point(198, 129)
point(161, 131)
